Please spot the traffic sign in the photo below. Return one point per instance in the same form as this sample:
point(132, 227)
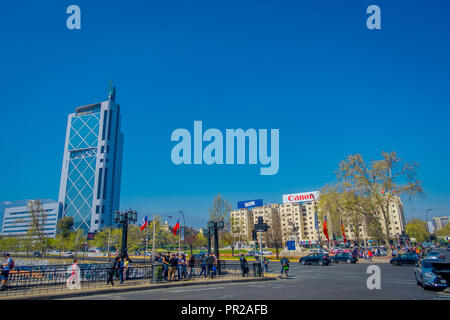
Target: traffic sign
point(290, 245)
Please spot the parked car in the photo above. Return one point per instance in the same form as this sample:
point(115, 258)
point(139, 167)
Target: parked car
point(37, 254)
point(344, 257)
point(316, 258)
point(432, 273)
point(68, 254)
point(251, 254)
point(435, 255)
point(448, 248)
point(409, 258)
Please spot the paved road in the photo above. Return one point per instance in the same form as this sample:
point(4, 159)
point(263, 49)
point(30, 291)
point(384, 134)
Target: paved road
point(339, 281)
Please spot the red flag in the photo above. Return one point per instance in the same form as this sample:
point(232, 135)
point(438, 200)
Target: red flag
point(325, 230)
point(144, 223)
point(177, 226)
point(343, 232)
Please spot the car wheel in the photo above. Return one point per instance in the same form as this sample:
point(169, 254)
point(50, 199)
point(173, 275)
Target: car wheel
point(303, 262)
point(349, 261)
point(320, 263)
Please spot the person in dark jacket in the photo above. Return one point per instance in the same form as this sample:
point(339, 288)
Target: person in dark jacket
point(203, 265)
point(244, 264)
point(209, 264)
point(191, 266)
point(112, 271)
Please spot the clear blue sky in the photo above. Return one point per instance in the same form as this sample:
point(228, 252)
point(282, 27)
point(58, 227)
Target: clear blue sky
point(310, 68)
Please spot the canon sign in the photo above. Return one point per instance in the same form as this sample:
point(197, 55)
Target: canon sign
point(301, 197)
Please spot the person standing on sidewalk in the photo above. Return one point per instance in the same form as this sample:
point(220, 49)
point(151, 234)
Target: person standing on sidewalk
point(192, 266)
point(173, 264)
point(165, 262)
point(112, 271)
point(126, 262)
point(266, 264)
point(121, 268)
point(7, 267)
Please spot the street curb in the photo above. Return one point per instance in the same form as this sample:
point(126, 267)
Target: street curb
point(131, 288)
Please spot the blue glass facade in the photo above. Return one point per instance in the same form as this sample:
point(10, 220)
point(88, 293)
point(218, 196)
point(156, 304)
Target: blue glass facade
point(93, 148)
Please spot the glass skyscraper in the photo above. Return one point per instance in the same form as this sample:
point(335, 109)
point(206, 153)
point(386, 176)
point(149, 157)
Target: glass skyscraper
point(91, 171)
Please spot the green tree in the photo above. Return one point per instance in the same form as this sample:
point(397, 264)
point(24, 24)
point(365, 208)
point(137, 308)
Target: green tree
point(220, 211)
point(64, 226)
point(379, 183)
point(200, 240)
point(417, 229)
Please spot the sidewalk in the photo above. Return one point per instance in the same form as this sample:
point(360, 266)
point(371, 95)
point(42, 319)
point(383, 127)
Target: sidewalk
point(135, 286)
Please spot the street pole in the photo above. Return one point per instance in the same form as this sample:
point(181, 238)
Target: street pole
point(260, 252)
point(124, 239)
point(154, 242)
point(209, 241)
point(109, 235)
point(216, 242)
point(146, 244)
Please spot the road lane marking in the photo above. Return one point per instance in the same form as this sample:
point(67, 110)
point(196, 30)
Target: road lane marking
point(190, 290)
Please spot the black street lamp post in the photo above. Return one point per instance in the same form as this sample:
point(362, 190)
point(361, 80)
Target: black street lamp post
point(123, 218)
point(207, 233)
point(213, 229)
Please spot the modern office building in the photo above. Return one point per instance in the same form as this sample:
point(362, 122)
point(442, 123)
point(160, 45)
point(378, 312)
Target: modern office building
point(18, 220)
point(92, 163)
point(440, 222)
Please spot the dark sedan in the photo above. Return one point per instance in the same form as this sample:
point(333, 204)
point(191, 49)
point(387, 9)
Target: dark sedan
point(409, 258)
point(435, 255)
point(315, 258)
point(344, 257)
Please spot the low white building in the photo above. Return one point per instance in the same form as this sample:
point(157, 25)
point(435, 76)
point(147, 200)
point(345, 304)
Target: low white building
point(17, 221)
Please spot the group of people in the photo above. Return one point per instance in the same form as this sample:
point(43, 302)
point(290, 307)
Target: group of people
point(118, 269)
point(244, 264)
point(398, 250)
point(366, 254)
point(175, 266)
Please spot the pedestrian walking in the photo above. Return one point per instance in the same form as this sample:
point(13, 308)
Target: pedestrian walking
point(6, 268)
point(203, 266)
point(369, 255)
point(244, 264)
point(209, 263)
point(74, 281)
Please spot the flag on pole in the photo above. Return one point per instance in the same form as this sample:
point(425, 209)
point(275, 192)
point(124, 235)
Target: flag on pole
point(343, 232)
point(177, 226)
point(325, 230)
point(144, 223)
